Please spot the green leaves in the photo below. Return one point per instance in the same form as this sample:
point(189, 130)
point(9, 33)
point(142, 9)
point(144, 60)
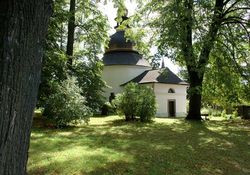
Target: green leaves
point(209, 37)
point(222, 84)
point(67, 106)
point(136, 100)
point(89, 42)
point(90, 81)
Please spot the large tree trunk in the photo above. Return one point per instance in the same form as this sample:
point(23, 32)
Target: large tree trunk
point(71, 33)
point(195, 90)
point(196, 70)
point(23, 25)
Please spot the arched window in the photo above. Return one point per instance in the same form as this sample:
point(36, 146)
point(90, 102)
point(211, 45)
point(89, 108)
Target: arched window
point(171, 90)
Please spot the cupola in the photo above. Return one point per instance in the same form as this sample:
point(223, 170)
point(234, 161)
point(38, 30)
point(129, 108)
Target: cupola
point(121, 50)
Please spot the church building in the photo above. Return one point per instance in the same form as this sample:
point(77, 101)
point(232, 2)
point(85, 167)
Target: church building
point(123, 64)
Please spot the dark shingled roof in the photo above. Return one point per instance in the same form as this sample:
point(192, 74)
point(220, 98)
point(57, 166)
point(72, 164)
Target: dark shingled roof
point(158, 76)
point(121, 52)
point(118, 40)
point(124, 58)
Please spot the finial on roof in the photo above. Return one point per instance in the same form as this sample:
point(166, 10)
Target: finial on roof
point(162, 63)
point(122, 15)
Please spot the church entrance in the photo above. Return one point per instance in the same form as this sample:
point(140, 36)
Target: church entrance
point(171, 108)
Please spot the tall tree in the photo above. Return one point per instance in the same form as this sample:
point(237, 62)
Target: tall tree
point(192, 29)
point(22, 32)
point(54, 66)
point(86, 45)
point(71, 32)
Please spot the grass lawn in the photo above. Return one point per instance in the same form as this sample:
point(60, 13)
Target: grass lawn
point(110, 146)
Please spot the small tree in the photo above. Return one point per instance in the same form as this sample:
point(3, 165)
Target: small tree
point(90, 81)
point(136, 101)
point(127, 102)
point(67, 105)
point(147, 104)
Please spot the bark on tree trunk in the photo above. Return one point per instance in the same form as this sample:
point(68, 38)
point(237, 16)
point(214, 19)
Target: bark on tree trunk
point(22, 32)
point(195, 91)
point(71, 33)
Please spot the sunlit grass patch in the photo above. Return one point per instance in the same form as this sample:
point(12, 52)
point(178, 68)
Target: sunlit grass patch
point(109, 145)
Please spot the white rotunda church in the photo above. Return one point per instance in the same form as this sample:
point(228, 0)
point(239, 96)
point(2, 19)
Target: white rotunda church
point(123, 64)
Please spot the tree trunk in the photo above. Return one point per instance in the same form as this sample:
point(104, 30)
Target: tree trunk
point(195, 91)
point(196, 70)
point(22, 32)
point(71, 33)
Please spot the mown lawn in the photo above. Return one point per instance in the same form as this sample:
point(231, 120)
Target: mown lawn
point(110, 146)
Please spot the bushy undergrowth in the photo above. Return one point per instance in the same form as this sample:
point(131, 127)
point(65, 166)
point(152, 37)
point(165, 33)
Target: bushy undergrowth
point(233, 115)
point(108, 109)
point(67, 106)
point(136, 100)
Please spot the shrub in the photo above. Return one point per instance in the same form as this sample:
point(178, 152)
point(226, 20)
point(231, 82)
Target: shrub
point(147, 104)
point(67, 106)
point(216, 112)
point(205, 111)
point(135, 101)
point(108, 108)
point(224, 114)
point(127, 102)
point(235, 114)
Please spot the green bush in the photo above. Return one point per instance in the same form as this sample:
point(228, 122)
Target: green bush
point(67, 106)
point(224, 114)
point(108, 108)
point(215, 112)
point(147, 104)
point(127, 102)
point(235, 114)
point(136, 100)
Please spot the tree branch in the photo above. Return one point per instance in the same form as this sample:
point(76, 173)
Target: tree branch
point(226, 12)
point(242, 24)
point(232, 52)
point(236, 9)
point(187, 43)
point(225, 3)
point(211, 35)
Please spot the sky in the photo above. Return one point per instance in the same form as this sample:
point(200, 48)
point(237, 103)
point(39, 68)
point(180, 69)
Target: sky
point(110, 12)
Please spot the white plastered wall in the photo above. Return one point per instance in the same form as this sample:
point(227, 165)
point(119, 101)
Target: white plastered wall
point(114, 78)
point(162, 98)
point(115, 75)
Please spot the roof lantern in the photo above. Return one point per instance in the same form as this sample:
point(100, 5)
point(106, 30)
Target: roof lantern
point(121, 50)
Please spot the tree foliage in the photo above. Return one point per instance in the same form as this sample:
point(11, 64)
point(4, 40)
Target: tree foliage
point(136, 100)
point(54, 68)
point(191, 32)
point(223, 86)
point(67, 105)
point(88, 44)
point(91, 83)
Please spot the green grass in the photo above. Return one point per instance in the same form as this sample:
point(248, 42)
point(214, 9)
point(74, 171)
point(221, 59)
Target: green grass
point(167, 146)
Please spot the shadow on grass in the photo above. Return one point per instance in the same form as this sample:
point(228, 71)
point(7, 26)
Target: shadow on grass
point(119, 147)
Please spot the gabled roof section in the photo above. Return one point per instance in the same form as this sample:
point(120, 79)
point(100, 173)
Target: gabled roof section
point(158, 76)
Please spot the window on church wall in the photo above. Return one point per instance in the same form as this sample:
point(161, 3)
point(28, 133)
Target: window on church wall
point(171, 90)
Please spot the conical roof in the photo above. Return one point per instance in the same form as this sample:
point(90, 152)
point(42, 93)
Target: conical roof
point(121, 51)
point(118, 42)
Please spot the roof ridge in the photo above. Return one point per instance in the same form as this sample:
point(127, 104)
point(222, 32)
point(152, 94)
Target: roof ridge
point(156, 76)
